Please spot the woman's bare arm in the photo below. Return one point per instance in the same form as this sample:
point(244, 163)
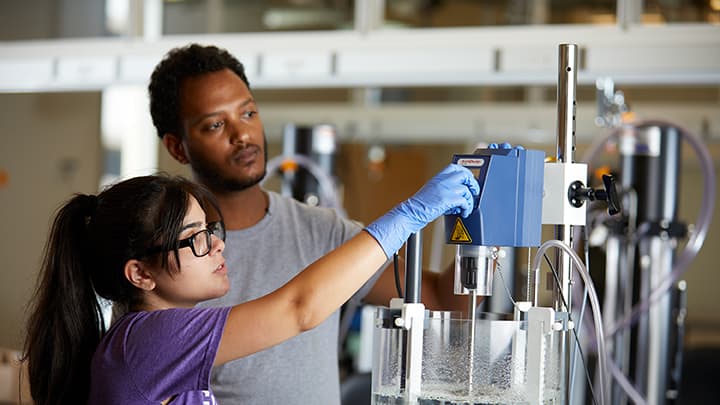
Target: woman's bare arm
point(304, 302)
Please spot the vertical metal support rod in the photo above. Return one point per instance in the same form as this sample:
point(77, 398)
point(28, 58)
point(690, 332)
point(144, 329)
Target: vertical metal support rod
point(414, 316)
point(472, 314)
point(566, 103)
point(369, 16)
point(413, 270)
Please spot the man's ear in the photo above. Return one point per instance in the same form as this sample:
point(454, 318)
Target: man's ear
point(174, 145)
point(138, 275)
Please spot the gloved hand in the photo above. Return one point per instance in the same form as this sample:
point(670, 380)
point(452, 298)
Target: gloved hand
point(452, 191)
point(504, 145)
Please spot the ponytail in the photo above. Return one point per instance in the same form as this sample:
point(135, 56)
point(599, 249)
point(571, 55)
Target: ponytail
point(65, 323)
point(91, 240)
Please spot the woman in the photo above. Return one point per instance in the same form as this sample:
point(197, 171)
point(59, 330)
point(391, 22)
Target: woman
point(153, 245)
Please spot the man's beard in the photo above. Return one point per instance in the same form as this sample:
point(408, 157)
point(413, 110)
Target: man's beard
point(212, 178)
point(220, 184)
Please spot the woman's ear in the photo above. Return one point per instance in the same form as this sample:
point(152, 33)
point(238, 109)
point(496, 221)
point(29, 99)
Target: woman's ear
point(175, 147)
point(138, 275)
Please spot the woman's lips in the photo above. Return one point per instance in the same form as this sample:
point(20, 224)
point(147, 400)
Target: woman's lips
point(221, 268)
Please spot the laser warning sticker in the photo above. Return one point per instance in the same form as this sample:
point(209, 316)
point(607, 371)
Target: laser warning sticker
point(460, 233)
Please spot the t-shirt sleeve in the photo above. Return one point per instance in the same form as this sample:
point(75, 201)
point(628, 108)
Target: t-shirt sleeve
point(178, 345)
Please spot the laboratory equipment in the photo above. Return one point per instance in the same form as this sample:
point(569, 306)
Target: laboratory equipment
point(307, 165)
point(644, 298)
point(445, 358)
point(318, 143)
point(508, 213)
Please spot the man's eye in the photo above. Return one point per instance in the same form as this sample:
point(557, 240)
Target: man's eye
point(215, 125)
point(249, 114)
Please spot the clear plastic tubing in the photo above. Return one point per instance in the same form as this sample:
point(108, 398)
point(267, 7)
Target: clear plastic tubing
point(594, 303)
point(626, 385)
point(328, 191)
point(702, 222)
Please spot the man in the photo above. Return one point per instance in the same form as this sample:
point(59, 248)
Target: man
point(206, 116)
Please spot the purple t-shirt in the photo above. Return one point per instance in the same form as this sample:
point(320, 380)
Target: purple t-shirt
point(148, 357)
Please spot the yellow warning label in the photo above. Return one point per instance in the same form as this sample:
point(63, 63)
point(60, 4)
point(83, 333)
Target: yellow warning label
point(460, 233)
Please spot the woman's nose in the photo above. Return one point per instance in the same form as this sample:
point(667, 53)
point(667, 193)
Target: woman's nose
point(218, 245)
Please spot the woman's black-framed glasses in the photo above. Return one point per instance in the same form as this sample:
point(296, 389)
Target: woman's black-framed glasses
point(200, 242)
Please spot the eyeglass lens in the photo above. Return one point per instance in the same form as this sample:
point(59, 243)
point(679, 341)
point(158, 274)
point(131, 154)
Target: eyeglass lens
point(202, 241)
point(217, 229)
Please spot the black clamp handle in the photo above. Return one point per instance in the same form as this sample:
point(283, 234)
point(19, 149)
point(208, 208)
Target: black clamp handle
point(578, 194)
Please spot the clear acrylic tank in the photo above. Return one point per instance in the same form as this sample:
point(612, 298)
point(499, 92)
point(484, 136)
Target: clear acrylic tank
point(493, 371)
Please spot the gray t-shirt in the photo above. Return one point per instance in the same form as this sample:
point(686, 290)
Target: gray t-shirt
point(304, 369)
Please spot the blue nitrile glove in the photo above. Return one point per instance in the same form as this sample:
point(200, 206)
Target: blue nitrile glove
point(504, 145)
point(451, 191)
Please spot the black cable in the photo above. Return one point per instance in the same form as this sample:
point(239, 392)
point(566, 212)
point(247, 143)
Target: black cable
point(577, 338)
point(557, 282)
point(397, 275)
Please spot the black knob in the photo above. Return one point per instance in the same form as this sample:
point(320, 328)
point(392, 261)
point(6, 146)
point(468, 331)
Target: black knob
point(578, 194)
point(610, 194)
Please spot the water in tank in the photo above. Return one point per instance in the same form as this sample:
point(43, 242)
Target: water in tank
point(493, 371)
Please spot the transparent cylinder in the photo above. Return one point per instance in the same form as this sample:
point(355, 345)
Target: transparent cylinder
point(495, 372)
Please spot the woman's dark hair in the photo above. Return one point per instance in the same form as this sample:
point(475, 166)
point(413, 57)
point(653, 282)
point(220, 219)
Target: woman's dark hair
point(179, 64)
point(91, 240)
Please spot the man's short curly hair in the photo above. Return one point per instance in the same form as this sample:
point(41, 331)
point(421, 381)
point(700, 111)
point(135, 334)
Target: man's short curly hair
point(177, 65)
